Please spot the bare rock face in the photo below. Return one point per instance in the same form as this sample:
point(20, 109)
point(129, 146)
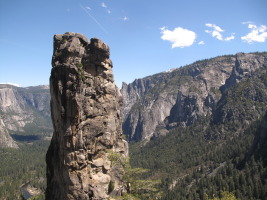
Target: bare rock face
point(5, 139)
point(85, 109)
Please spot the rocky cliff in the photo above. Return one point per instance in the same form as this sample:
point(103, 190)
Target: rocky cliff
point(5, 139)
point(85, 105)
point(225, 89)
point(25, 111)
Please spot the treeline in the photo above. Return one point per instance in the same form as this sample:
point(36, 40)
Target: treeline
point(20, 166)
point(248, 183)
point(192, 167)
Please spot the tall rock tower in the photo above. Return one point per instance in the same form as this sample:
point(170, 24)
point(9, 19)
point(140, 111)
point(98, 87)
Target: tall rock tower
point(85, 109)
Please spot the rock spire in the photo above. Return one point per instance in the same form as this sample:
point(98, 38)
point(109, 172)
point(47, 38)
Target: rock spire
point(85, 109)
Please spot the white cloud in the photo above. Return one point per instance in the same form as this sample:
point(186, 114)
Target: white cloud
point(125, 18)
point(248, 22)
point(216, 28)
point(217, 32)
point(257, 34)
point(201, 42)
point(103, 5)
point(179, 37)
point(88, 8)
point(230, 38)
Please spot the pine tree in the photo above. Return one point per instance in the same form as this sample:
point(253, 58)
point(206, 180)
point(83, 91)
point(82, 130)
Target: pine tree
point(137, 188)
point(225, 196)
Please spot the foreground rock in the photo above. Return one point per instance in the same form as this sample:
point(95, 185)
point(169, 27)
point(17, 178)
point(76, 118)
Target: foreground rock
point(85, 108)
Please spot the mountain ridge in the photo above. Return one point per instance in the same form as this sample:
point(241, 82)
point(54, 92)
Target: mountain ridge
point(25, 111)
point(145, 93)
point(156, 104)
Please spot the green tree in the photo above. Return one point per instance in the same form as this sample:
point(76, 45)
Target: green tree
point(137, 188)
point(225, 196)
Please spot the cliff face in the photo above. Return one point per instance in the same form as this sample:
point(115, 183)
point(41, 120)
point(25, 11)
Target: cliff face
point(85, 106)
point(204, 89)
point(5, 139)
point(24, 110)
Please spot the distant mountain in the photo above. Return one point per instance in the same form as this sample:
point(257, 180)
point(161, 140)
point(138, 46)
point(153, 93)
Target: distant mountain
point(227, 91)
point(24, 112)
point(202, 129)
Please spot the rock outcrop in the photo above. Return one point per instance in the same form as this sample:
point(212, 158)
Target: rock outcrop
point(85, 108)
point(180, 97)
point(5, 139)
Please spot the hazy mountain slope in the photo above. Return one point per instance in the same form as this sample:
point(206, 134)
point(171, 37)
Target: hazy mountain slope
point(25, 111)
point(156, 104)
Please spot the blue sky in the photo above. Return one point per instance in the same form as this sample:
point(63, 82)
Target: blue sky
point(145, 36)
